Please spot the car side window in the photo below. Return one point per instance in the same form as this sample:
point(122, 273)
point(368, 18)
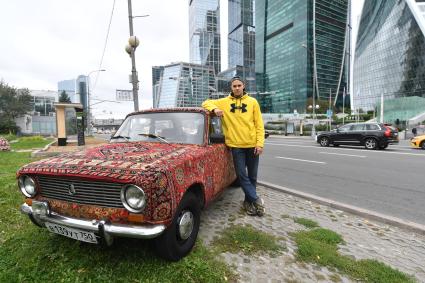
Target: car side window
point(372, 127)
point(358, 127)
point(216, 127)
point(345, 128)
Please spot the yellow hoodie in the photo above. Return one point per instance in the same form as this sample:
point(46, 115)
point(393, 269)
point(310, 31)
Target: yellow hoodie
point(242, 121)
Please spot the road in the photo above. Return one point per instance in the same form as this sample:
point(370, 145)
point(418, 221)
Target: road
point(390, 181)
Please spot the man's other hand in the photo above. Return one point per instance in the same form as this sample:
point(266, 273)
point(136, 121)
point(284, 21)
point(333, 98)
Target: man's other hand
point(258, 150)
point(218, 112)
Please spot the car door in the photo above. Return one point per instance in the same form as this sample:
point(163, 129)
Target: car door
point(341, 135)
point(356, 134)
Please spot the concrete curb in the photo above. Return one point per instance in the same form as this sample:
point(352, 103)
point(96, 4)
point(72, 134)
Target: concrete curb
point(42, 152)
point(398, 222)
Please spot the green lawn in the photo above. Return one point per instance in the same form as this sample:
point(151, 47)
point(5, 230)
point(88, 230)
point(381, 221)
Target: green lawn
point(30, 143)
point(31, 254)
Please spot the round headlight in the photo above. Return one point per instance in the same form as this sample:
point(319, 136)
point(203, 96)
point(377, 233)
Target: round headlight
point(133, 198)
point(27, 186)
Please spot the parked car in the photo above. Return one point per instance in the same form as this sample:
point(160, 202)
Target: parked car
point(418, 142)
point(160, 169)
point(369, 135)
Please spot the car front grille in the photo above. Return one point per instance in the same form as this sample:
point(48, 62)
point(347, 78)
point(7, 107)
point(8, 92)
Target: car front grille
point(82, 192)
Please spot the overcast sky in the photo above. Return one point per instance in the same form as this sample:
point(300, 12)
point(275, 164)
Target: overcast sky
point(46, 41)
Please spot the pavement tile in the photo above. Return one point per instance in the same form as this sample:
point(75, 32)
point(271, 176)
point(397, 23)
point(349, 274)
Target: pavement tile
point(364, 239)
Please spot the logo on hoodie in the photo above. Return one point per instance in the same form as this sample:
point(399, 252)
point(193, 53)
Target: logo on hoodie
point(234, 107)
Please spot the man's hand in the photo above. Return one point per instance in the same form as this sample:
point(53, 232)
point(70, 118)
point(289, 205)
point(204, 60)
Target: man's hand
point(258, 150)
point(218, 112)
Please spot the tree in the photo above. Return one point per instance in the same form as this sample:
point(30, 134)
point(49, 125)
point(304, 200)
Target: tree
point(14, 103)
point(64, 97)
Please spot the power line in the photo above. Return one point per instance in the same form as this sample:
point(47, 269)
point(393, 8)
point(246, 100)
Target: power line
point(106, 43)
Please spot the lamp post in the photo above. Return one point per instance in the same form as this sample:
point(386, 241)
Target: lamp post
point(314, 106)
point(88, 99)
point(133, 42)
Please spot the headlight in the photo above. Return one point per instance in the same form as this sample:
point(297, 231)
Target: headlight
point(27, 186)
point(133, 198)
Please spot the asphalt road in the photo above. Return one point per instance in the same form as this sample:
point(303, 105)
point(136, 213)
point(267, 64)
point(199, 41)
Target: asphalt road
point(390, 181)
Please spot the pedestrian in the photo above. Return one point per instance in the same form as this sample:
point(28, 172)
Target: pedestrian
point(244, 134)
point(414, 131)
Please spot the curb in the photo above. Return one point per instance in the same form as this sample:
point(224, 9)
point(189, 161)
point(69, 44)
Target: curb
point(42, 152)
point(372, 215)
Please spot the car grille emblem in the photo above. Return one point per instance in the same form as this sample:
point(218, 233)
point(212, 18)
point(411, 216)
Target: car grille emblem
point(71, 190)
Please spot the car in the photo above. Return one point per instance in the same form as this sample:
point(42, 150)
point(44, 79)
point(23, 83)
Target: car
point(159, 170)
point(418, 142)
point(370, 135)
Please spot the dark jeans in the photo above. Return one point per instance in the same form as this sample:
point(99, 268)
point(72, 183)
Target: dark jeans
point(246, 166)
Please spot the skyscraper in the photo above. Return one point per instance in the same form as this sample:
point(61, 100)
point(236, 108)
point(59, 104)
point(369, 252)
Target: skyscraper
point(184, 85)
point(204, 33)
point(157, 72)
point(390, 58)
point(300, 44)
point(69, 87)
point(241, 45)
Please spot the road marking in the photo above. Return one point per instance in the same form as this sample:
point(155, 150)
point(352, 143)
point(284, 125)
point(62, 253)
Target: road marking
point(357, 149)
point(303, 160)
point(361, 156)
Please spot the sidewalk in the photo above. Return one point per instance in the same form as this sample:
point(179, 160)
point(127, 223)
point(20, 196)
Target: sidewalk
point(364, 239)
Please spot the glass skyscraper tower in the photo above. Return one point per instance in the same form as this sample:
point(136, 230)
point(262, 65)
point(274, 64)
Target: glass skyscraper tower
point(204, 33)
point(390, 58)
point(299, 44)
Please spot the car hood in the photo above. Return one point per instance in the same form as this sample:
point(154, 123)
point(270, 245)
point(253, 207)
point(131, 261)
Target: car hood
point(123, 161)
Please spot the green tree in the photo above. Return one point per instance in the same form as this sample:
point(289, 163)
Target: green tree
point(14, 103)
point(64, 97)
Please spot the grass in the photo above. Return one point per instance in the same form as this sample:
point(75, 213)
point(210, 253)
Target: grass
point(248, 240)
point(30, 142)
point(31, 254)
point(320, 246)
point(306, 222)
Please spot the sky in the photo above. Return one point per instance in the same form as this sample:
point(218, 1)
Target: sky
point(47, 41)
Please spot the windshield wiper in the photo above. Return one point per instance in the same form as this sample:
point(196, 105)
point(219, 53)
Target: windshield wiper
point(154, 137)
point(127, 139)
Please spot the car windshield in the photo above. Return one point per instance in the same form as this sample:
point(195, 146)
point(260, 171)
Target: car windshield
point(172, 127)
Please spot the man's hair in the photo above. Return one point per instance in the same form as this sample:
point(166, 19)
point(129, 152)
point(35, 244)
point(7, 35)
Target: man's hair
point(237, 78)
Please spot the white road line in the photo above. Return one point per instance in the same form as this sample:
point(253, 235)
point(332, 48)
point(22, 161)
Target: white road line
point(303, 160)
point(361, 156)
point(359, 149)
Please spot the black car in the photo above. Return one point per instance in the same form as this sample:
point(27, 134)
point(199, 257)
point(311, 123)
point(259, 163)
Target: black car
point(369, 135)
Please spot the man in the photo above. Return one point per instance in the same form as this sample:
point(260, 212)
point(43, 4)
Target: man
point(244, 133)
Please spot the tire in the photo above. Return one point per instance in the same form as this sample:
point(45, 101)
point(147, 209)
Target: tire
point(384, 146)
point(324, 141)
point(236, 183)
point(371, 143)
point(423, 145)
point(174, 243)
point(336, 145)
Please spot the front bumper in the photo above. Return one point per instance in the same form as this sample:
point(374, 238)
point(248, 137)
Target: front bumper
point(101, 228)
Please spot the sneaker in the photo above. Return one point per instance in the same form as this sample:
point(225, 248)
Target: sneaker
point(259, 207)
point(249, 208)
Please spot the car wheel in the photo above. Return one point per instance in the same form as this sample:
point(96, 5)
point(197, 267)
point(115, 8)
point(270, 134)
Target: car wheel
point(324, 141)
point(179, 238)
point(370, 143)
point(423, 145)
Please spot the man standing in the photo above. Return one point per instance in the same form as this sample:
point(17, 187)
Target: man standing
point(244, 133)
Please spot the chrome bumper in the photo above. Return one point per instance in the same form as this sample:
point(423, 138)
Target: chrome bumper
point(101, 228)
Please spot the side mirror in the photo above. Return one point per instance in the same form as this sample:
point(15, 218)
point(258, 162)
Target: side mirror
point(216, 138)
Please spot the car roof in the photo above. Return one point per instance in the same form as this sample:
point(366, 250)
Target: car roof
point(171, 109)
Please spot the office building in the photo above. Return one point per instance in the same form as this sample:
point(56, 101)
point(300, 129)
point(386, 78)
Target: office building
point(204, 33)
point(185, 85)
point(300, 44)
point(390, 59)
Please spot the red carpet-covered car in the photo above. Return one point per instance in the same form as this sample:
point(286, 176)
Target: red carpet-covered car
point(160, 169)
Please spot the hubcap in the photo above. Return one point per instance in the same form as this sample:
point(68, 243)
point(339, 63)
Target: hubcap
point(324, 142)
point(370, 143)
point(185, 225)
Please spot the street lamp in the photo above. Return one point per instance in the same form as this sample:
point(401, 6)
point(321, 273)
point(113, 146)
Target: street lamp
point(88, 99)
point(314, 106)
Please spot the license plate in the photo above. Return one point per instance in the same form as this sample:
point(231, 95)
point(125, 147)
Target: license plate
point(76, 234)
